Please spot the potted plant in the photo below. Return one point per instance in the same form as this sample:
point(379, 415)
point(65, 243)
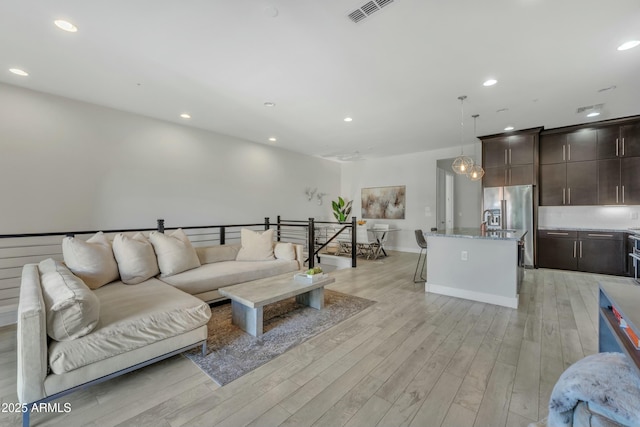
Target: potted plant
point(341, 209)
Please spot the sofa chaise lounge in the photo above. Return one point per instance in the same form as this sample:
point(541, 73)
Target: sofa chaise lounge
point(73, 333)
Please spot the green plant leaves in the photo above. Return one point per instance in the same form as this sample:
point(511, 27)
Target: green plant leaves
point(341, 209)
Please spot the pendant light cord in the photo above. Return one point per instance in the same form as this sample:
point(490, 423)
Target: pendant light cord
point(462, 98)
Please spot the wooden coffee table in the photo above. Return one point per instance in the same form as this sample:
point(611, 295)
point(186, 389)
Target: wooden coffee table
point(248, 299)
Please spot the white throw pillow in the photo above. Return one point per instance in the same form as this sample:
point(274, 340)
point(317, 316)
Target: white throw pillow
point(175, 252)
point(255, 246)
point(136, 259)
point(92, 261)
point(284, 251)
point(72, 309)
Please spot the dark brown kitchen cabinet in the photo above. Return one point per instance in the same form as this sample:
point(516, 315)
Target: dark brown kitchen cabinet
point(514, 175)
point(630, 180)
point(556, 249)
point(618, 182)
point(569, 184)
point(553, 183)
point(630, 140)
point(590, 251)
point(510, 159)
point(601, 252)
point(618, 141)
point(609, 182)
point(495, 152)
point(577, 146)
point(510, 150)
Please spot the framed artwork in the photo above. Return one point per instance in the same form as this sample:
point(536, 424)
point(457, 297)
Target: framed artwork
point(383, 202)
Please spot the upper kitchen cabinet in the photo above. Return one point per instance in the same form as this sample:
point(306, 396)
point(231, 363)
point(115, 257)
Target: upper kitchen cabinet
point(618, 164)
point(510, 159)
point(619, 141)
point(568, 184)
point(576, 146)
point(618, 182)
point(591, 164)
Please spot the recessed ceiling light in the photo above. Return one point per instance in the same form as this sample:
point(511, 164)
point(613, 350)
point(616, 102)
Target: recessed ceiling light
point(490, 82)
point(593, 114)
point(65, 25)
point(185, 116)
point(629, 45)
point(348, 119)
point(508, 128)
point(272, 139)
point(269, 104)
point(19, 72)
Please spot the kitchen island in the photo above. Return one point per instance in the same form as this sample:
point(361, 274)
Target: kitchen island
point(477, 265)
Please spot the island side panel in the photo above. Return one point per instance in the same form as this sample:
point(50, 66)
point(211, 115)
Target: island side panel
point(490, 273)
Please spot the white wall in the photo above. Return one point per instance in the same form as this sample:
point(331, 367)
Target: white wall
point(69, 165)
point(417, 172)
point(595, 217)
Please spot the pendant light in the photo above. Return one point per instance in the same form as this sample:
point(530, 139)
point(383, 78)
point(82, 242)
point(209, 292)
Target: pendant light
point(462, 164)
point(476, 173)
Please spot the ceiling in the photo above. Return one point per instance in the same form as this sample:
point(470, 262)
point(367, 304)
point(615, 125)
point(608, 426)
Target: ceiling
point(397, 73)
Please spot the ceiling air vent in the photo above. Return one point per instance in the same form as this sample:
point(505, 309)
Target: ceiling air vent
point(357, 15)
point(368, 9)
point(595, 107)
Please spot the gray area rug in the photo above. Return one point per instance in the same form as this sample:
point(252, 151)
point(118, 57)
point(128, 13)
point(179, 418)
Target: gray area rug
point(231, 352)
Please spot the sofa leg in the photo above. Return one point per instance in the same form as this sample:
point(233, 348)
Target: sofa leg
point(204, 349)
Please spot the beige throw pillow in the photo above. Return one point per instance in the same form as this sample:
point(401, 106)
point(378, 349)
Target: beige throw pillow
point(92, 261)
point(72, 309)
point(284, 251)
point(175, 252)
point(255, 246)
point(135, 257)
point(217, 253)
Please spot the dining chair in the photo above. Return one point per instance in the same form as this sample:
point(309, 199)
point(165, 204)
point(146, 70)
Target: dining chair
point(343, 240)
point(423, 248)
point(365, 246)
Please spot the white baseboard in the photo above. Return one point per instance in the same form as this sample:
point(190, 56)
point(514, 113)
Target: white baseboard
point(411, 249)
point(472, 295)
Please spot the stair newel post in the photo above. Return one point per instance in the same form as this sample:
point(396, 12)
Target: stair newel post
point(312, 239)
point(223, 230)
point(278, 230)
point(160, 225)
point(353, 242)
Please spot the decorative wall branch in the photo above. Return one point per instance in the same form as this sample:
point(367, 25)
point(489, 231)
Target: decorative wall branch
point(309, 192)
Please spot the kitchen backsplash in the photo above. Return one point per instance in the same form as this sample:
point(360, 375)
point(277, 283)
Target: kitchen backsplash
point(598, 217)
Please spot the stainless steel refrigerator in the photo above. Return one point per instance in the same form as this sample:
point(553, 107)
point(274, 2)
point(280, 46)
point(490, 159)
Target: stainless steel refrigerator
point(511, 208)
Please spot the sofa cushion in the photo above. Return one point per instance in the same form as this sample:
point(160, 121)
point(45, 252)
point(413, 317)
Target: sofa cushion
point(91, 260)
point(284, 251)
point(225, 273)
point(217, 253)
point(135, 257)
point(175, 252)
point(72, 309)
point(131, 317)
point(256, 246)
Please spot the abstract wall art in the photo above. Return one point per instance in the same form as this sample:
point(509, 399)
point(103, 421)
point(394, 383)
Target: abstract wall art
point(383, 202)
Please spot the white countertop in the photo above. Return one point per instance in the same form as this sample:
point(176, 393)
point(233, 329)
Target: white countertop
point(476, 233)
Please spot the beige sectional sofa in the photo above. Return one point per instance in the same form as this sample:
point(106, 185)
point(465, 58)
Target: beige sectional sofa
point(65, 345)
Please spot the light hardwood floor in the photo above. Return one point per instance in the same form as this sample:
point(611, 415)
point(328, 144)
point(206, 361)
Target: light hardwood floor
point(411, 359)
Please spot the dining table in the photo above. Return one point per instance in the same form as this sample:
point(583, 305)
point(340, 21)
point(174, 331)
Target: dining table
point(380, 234)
